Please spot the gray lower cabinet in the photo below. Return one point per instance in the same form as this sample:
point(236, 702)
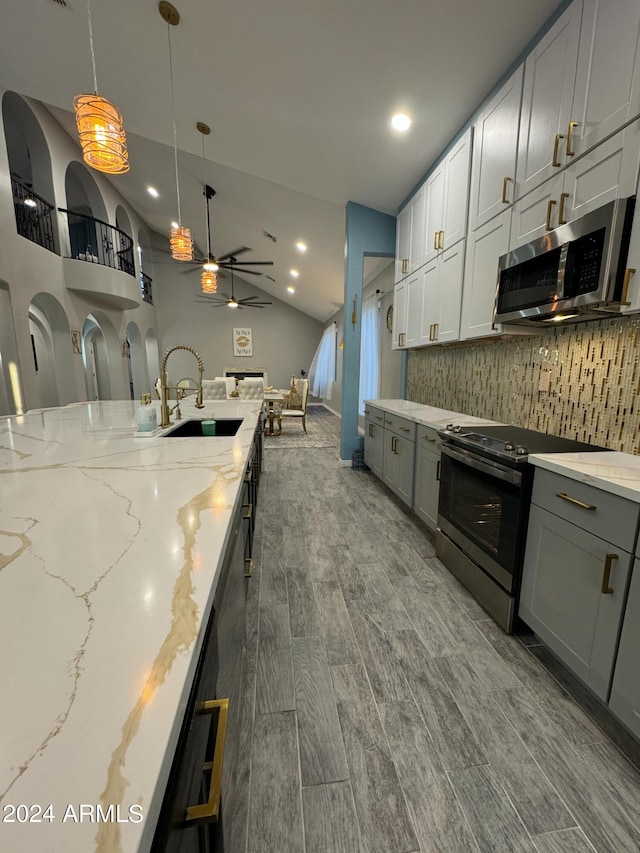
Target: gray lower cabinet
point(374, 445)
point(625, 689)
point(575, 582)
point(389, 450)
point(427, 477)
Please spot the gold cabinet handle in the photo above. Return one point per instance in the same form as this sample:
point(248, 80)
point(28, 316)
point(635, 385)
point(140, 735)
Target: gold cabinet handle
point(570, 151)
point(248, 508)
point(428, 438)
point(550, 207)
point(625, 286)
point(393, 443)
point(561, 219)
point(438, 469)
point(436, 326)
point(555, 161)
point(370, 430)
point(505, 200)
point(606, 575)
point(435, 240)
point(405, 429)
point(441, 241)
point(378, 417)
point(405, 265)
point(248, 569)
point(208, 812)
point(576, 502)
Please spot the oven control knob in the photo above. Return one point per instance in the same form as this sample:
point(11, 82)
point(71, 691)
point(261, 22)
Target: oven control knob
point(509, 447)
point(449, 427)
point(521, 451)
point(456, 429)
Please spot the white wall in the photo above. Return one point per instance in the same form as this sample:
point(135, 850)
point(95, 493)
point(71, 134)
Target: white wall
point(284, 339)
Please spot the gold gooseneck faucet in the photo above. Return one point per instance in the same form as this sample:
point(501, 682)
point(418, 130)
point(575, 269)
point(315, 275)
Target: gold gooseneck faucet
point(165, 411)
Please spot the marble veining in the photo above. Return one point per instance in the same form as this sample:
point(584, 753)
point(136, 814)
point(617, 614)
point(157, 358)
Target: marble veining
point(110, 548)
point(612, 471)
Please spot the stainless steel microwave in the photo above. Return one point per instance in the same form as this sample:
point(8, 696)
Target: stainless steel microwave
point(575, 272)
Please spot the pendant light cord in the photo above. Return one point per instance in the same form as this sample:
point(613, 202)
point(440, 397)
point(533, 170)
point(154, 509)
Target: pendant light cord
point(173, 118)
point(206, 202)
point(93, 56)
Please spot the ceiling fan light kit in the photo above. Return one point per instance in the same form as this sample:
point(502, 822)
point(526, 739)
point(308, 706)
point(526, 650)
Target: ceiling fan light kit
point(100, 126)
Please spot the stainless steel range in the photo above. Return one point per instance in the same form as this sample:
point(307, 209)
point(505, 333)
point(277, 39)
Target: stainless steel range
point(483, 510)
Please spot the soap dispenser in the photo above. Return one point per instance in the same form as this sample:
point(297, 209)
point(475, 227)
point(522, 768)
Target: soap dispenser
point(146, 415)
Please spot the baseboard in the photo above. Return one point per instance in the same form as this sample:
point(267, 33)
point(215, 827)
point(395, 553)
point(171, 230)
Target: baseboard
point(329, 409)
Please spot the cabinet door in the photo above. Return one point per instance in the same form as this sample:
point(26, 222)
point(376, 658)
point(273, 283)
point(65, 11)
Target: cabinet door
point(495, 149)
point(450, 288)
point(430, 301)
point(456, 193)
point(625, 689)
point(607, 89)
point(536, 213)
point(434, 206)
point(414, 309)
point(485, 247)
point(416, 247)
point(607, 172)
point(399, 315)
point(562, 596)
point(427, 485)
point(549, 77)
point(373, 446)
point(403, 243)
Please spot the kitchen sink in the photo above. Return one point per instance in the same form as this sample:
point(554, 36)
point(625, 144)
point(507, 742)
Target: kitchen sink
point(193, 427)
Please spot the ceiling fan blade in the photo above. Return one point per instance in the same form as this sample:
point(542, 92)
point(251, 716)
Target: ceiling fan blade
point(239, 251)
point(236, 264)
point(241, 269)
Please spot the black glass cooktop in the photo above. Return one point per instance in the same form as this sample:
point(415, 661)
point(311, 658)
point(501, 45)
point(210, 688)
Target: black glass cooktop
point(513, 442)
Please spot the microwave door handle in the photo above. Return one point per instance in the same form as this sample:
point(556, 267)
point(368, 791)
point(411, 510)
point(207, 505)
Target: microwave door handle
point(562, 270)
point(493, 469)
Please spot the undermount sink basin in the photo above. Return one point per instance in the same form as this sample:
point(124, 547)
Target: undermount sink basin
point(193, 427)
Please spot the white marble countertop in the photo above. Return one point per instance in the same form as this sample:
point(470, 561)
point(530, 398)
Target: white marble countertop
point(110, 546)
point(427, 415)
point(614, 472)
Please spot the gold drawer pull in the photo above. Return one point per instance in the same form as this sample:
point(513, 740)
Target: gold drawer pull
point(505, 200)
point(405, 265)
point(575, 501)
point(248, 569)
point(378, 417)
point(606, 575)
point(561, 219)
point(405, 429)
point(441, 240)
point(208, 812)
point(435, 239)
point(249, 511)
point(428, 438)
point(555, 161)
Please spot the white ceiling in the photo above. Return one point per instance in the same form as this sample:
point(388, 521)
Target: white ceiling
point(298, 95)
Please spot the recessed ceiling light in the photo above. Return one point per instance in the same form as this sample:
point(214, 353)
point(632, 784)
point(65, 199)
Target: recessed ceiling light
point(153, 192)
point(301, 247)
point(294, 273)
point(401, 121)
point(291, 289)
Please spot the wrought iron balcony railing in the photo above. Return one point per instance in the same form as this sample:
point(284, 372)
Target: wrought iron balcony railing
point(145, 287)
point(98, 242)
point(34, 215)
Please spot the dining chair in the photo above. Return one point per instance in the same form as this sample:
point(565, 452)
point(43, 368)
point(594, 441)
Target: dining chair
point(231, 384)
point(251, 389)
point(214, 389)
point(297, 409)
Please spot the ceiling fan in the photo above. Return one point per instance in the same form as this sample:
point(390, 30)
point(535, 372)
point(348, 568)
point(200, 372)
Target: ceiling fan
point(232, 301)
point(229, 261)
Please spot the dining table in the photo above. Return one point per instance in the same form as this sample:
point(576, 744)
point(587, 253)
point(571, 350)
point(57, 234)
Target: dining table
point(273, 400)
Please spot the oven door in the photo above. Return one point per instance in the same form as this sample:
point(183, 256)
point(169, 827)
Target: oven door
point(483, 509)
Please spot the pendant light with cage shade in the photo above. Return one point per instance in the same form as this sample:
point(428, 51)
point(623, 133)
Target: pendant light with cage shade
point(180, 238)
point(100, 126)
point(208, 277)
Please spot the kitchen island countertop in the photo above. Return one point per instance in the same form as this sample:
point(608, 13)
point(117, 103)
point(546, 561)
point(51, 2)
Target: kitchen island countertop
point(110, 549)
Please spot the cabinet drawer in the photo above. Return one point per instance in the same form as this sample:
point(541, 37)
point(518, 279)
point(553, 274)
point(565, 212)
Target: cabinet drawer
point(375, 415)
point(608, 516)
point(401, 426)
point(427, 438)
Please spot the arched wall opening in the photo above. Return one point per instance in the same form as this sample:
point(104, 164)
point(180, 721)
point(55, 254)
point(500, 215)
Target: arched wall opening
point(138, 375)
point(102, 359)
point(52, 351)
point(83, 197)
point(11, 396)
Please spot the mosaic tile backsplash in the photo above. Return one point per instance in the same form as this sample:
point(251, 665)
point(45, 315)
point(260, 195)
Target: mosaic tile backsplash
point(592, 370)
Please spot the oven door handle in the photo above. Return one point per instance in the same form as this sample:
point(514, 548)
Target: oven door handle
point(493, 469)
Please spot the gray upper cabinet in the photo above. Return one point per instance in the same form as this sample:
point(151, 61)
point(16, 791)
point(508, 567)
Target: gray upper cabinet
point(576, 572)
point(547, 99)
point(495, 149)
point(625, 690)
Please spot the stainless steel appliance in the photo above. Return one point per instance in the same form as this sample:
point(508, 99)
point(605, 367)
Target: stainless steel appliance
point(483, 509)
point(575, 272)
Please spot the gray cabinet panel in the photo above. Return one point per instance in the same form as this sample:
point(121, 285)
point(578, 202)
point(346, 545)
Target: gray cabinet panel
point(373, 446)
point(398, 465)
point(562, 598)
point(612, 518)
point(625, 689)
point(427, 486)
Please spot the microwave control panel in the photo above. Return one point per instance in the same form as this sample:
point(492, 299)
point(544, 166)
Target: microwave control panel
point(583, 264)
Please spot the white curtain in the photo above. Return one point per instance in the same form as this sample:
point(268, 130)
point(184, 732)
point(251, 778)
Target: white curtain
point(323, 366)
point(369, 352)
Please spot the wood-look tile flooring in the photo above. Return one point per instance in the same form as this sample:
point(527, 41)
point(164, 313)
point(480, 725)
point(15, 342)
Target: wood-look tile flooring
point(390, 713)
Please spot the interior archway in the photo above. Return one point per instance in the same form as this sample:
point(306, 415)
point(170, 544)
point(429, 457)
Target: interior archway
point(138, 376)
point(102, 359)
point(52, 353)
point(11, 397)
point(83, 198)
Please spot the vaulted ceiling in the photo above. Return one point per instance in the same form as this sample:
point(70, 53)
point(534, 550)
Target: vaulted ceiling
point(298, 95)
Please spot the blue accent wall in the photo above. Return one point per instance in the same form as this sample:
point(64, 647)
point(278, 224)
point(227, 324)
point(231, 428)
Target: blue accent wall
point(368, 233)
